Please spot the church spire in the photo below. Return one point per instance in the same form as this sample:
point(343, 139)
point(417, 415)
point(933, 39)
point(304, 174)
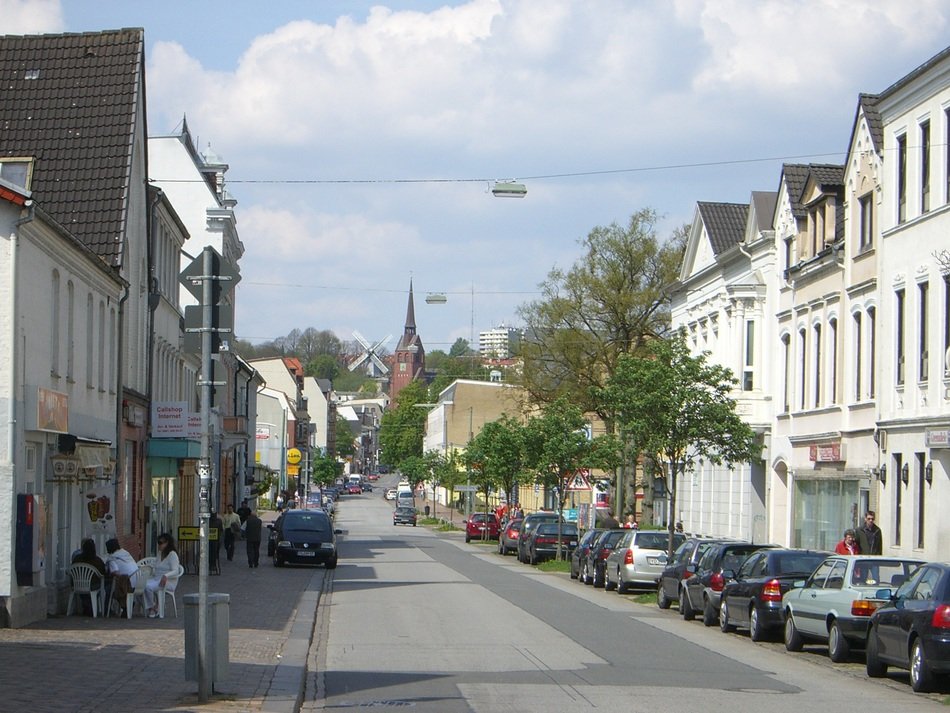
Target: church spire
point(410, 314)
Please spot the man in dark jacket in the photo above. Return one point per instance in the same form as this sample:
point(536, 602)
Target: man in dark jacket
point(870, 537)
point(252, 534)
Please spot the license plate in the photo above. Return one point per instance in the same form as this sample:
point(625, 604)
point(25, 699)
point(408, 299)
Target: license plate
point(573, 543)
point(656, 560)
point(306, 553)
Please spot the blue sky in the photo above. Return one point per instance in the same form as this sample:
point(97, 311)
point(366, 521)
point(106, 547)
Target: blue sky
point(595, 106)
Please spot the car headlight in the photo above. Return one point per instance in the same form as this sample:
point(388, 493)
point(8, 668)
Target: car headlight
point(327, 546)
point(283, 543)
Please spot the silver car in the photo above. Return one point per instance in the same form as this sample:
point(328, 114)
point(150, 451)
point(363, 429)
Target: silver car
point(835, 604)
point(638, 559)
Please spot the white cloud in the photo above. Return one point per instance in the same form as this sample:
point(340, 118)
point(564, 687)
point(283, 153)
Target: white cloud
point(27, 17)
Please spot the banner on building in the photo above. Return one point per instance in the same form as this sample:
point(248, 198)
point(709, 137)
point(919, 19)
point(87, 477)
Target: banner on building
point(172, 419)
point(98, 512)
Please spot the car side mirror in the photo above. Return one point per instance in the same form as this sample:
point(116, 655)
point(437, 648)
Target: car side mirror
point(728, 574)
point(884, 594)
point(691, 568)
point(338, 532)
point(798, 584)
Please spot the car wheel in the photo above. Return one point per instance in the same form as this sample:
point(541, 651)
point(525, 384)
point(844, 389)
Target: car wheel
point(661, 599)
point(532, 558)
point(573, 573)
point(724, 626)
point(331, 564)
point(278, 562)
point(621, 585)
point(413, 524)
point(838, 649)
point(921, 677)
point(793, 639)
point(585, 575)
point(686, 608)
point(757, 632)
point(609, 586)
point(598, 578)
point(467, 538)
point(873, 665)
point(710, 615)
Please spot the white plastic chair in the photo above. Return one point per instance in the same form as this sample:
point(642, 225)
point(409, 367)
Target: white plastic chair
point(141, 579)
point(82, 575)
point(147, 562)
point(171, 584)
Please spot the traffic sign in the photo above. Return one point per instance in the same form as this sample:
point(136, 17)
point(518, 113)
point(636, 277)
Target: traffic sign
point(224, 276)
point(466, 488)
point(222, 322)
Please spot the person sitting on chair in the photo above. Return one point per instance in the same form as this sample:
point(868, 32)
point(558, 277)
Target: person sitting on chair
point(87, 555)
point(123, 567)
point(164, 573)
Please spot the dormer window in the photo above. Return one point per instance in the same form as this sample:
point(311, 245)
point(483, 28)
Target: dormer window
point(816, 224)
point(17, 171)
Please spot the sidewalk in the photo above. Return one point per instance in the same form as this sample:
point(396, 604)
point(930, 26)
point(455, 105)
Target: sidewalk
point(79, 663)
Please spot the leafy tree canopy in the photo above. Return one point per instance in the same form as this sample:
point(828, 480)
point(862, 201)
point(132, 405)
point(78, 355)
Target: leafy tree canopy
point(403, 425)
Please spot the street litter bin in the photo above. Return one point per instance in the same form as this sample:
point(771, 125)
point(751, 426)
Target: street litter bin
point(217, 636)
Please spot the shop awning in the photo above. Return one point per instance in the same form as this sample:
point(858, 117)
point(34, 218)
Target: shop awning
point(173, 448)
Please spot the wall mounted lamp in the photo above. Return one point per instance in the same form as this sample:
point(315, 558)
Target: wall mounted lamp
point(929, 473)
point(882, 473)
point(905, 473)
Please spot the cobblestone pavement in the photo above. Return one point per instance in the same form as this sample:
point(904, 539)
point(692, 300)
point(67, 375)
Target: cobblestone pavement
point(78, 663)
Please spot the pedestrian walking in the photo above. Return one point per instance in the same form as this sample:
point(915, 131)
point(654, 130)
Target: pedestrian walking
point(215, 525)
point(231, 522)
point(252, 534)
point(870, 538)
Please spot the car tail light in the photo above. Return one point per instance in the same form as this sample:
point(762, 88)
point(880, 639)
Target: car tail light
point(716, 582)
point(941, 617)
point(603, 554)
point(863, 607)
point(771, 591)
point(687, 574)
point(628, 557)
point(546, 540)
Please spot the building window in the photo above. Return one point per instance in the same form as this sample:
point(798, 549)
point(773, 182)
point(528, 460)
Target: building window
point(866, 222)
point(925, 167)
point(901, 179)
point(817, 377)
point(899, 325)
point(787, 360)
point(802, 363)
point(833, 339)
point(70, 330)
point(102, 346)
point(818, 229)
point(921, 495)
point(747, 371)
point(898, 497)
point(789, 252)
point(90, 326)
point(872, 350)
point(17, 171)
point(858, 365)
point(54, 325)
point(923, 361)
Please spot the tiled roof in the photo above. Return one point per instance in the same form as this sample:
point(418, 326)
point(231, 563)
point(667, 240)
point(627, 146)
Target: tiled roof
point(725, 223)
point(70, 101)
point(795, 175)
point(867, 103)
point(827, 174)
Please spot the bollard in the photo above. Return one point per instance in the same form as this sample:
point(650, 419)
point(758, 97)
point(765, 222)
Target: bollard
point(218, 632)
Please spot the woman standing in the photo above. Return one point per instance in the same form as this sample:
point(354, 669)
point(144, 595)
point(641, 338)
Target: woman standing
point(849, 545)
point(164, 573)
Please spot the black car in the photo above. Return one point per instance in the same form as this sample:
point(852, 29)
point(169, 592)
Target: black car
point(404, 515)
point(702, 591)
point(579, 555)
point(543, 543)
point(754, 599)
point(594, 568)
point(303, 537)
point(669, 587)
point(912, 631)
point(527, 525)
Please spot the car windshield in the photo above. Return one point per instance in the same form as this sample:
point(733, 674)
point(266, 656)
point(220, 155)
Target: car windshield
point(551, 529)
point(306, 523)
point(405, 511)
point(796, 563)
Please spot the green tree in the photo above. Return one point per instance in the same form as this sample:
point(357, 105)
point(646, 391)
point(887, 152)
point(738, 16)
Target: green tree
point(344, 439)
point(323, 366)
point(460, 348)
point(326, 469)
point(496, 456)
point(403, 426)
point(678, 407)
point(612, 301)
point(557, 446)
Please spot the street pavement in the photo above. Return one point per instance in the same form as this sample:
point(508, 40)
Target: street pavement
point(78, 663)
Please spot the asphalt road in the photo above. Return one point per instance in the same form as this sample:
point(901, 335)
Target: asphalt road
point(421, 620)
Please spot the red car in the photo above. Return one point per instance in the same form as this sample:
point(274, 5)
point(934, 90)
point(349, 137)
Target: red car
point(481, 526)
point(354, 489)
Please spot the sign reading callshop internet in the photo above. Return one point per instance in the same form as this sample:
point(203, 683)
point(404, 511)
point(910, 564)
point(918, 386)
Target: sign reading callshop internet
point(938, 438)
point(172, 419)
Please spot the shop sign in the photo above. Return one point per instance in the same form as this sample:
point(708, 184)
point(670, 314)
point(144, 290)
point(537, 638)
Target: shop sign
point(52, 411)
point(172, 419)
point(938, 438)
point(825, 453)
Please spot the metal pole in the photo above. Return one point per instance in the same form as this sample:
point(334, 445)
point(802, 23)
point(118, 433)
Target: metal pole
point(204, 473)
